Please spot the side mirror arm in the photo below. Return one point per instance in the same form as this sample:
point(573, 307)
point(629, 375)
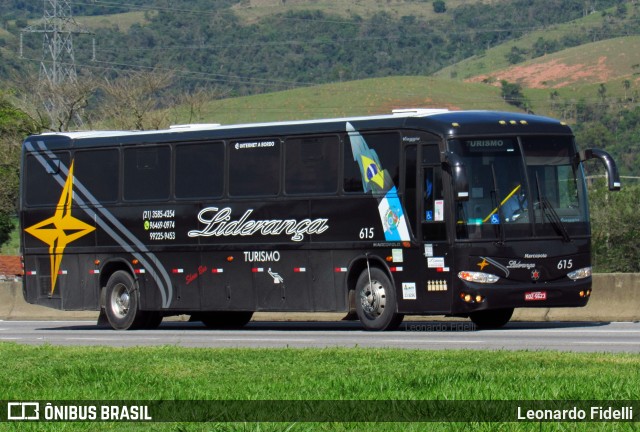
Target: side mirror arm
point(613, 177)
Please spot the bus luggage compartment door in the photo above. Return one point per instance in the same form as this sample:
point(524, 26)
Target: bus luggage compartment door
point(281, 284)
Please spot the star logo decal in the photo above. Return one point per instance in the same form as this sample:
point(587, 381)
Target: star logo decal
point(60, 229)
point(535, 275)
point(482, 264)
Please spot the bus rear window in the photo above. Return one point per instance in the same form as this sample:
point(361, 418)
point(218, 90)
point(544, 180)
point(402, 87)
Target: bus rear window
point(41, 186)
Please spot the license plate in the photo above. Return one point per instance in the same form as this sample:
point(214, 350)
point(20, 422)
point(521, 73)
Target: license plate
point(535, 296)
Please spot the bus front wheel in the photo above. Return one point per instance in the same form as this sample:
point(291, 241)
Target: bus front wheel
point(121, 305)
point(375, 300)
point(491, 319)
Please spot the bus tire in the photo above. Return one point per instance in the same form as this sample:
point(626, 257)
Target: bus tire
point(491, 319)
point(376, 301)
point(224, 319)
point(121, 302)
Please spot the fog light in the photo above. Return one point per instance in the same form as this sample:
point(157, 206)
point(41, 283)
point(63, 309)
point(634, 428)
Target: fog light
point(467, 298)
point(479, 299)
point(582, 293)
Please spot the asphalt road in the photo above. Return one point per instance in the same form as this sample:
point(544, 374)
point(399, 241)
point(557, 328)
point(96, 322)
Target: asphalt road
point(428, 335)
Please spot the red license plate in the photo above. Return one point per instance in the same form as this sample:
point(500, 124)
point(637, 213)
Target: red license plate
point(535, 296)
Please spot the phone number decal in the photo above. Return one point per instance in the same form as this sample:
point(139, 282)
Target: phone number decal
point(158, 222)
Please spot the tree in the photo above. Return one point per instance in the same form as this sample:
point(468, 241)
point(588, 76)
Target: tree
point(512, 94)
point(515, 55)
point(615, 228)
point(132, 101)
point(626, 84)
point(14, 126)
point(439, 6)
point(56, 107)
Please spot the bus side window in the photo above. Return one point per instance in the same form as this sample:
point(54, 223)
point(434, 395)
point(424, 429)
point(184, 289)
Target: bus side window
point(433, 217)
point(199, 170)
point(384, 146)
point(99, 172)
point(147, 172)
point(254, 167)
point(41, 187)
point(311, 165)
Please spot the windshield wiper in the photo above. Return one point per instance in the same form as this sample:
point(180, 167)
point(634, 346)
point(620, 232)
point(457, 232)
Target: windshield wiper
point(551, 213)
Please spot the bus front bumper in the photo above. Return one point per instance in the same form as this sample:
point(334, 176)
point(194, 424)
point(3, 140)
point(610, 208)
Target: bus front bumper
point(473, 297)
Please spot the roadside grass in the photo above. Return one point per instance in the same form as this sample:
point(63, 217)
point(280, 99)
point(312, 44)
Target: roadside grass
point(172, 373)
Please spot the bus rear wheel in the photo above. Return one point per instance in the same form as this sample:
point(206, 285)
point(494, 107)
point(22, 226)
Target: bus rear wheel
point(122, 305)
point(375, 300)
point(223, 319)
point(491, 319)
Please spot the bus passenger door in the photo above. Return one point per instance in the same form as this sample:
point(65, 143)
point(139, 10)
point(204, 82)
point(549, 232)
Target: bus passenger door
point(433, 233)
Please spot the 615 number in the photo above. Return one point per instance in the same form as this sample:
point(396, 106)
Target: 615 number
point(565, 264)
point(366, 233)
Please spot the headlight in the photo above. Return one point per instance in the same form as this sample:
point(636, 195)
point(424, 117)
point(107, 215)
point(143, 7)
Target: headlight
point(580, 273)
point(478, 277)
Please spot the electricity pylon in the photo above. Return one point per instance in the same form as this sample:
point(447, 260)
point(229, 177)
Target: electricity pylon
point(58, 65)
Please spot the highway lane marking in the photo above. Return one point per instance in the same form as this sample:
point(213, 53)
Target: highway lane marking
point(284, 339)
point(106, 339)
point(605, 343)
point(432, 341)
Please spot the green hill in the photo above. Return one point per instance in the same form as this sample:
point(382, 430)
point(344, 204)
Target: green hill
point(364, 97)
point(597, 62)
point(610, 23)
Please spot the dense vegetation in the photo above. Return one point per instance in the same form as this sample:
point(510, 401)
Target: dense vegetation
point(304, 47)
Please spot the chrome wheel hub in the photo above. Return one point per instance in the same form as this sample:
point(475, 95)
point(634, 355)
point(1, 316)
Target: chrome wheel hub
point(373, 299)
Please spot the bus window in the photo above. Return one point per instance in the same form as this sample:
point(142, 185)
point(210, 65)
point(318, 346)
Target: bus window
point(410, 183)
point(199, 170)
point(433, 205)
point(40, 185)
point(386, 146)
point(311, 165)
point(147, 173)
point(98, 172)
point(254, 168)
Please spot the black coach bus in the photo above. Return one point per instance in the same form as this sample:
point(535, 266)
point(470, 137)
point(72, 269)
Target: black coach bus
point(421, 212)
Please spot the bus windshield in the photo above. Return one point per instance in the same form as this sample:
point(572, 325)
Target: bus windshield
point(521, 187)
